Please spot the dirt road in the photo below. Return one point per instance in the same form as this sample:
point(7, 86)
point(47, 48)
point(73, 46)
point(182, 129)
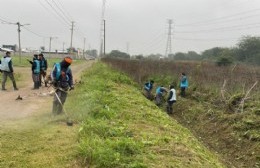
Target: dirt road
point(33, 100)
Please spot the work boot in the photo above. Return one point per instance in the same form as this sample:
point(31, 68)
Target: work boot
point(16, 88)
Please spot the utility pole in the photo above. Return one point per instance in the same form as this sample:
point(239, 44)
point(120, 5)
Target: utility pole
point(104, 37)
point(127, 47)
point(63, 47)
point(169, 39)
point(19, 38)
point(72, 29)
point(102, 25)
point(50, 43)
point(84, 46)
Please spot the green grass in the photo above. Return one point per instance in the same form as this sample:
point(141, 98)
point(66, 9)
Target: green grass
point(38, 142)
point(121, 128)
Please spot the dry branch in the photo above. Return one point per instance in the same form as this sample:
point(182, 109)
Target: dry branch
point(242, 102)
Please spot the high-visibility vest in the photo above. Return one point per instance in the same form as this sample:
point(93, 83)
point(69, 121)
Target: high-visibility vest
point(5, 64)
point(37, 68)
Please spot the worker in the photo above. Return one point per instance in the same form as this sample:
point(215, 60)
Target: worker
point(171, 99)
point(62, 80)
point(44, 66)
point(7, 70)
point(36, 71)
point(148, 86)
point(183, 84)
point(160, 90)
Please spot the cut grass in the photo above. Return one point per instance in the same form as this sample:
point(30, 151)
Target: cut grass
point(123, 129)
point(38, 142)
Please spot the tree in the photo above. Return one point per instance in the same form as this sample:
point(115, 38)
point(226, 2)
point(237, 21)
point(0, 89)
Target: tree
point(192, 55)
point(212, 53)
point(180, 56)
point(248, 49)
point(118, 54)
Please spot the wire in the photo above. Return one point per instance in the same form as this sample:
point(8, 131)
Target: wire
point(228, 28)
point(6, 22)
point(34, 32)
point(64, 15)
point(69, 16)
point(49, 11)
point(220, 18)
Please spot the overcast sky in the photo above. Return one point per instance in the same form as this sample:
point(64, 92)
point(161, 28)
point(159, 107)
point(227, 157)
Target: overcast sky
point(134, 26)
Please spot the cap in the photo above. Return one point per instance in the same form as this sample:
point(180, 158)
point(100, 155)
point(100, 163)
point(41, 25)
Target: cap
point(68, 60)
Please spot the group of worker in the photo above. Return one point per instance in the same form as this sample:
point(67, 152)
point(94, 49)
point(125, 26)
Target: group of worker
point(61, 76)
point(161, 91)
point(39, 68)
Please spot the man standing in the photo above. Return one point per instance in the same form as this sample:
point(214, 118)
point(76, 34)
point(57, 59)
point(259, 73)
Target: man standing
point(7, 70)
point(44, 66)
point(171, 99)
point(62, 81)
point(184, 84)
point(36, 72)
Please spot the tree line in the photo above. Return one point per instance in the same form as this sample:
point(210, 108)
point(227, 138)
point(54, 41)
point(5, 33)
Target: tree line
point(247, 50)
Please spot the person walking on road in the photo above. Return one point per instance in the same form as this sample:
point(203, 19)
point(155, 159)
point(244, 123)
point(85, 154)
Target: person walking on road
point(44, 66)
point(184, 84)
point(62, 80)
point(7, 70)
point(171, 99)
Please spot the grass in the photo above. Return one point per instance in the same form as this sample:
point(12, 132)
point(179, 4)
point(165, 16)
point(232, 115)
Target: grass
point(212, 118)
point(122, 129)
point(38, 142)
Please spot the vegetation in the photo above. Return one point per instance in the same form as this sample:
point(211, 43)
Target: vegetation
point(221, 107)
point(123, 129)
point(38, 142)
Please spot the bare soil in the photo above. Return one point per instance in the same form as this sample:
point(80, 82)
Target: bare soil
point(32, 100)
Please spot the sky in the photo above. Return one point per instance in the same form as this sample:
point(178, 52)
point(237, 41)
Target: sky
point(132, 26)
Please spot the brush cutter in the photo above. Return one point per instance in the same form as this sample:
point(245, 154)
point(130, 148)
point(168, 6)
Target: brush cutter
point(69, 121)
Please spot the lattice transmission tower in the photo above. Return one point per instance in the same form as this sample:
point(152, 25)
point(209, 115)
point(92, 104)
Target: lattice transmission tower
point(169, 39)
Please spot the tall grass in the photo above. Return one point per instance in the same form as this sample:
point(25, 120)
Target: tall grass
point(205, 76)
point(122, 129)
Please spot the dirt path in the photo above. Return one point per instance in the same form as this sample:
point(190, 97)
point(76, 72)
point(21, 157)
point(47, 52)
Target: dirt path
point(33, 100)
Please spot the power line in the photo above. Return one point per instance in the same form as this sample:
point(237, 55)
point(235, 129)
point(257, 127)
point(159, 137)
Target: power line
point(51, 11)
point(69, 16)
point(220, 18)
point(56, 12)
point(64, 15)
point(228, 28)
point(34, 33)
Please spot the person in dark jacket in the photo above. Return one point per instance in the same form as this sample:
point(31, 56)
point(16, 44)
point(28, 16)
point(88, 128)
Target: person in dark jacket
point(183, 84)
point(160, 90)
point(171, 99)
point(148, 86)
point(36, 72)
point(62, 80)
point(7, 70)
point(44, 66)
